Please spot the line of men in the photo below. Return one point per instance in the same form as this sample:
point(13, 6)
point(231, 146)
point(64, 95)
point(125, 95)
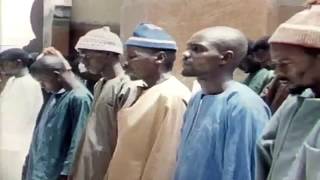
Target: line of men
point(142, 123)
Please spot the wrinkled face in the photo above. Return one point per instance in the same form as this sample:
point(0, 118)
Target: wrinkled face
point(50, 82)
point(141, 63)
point(10, 67)
point(94, 61)
point(200, 58)
point(294, 65)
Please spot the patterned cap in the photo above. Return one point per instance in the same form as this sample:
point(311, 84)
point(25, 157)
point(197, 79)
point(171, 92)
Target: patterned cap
point(302, 29)
point(101, 40)
point(151, 36)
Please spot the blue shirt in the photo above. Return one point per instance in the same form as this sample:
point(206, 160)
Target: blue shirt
point(57, 134)
point(219, 135)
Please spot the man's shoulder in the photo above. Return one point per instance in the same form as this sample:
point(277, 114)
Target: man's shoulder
point(242, 96)
point(80, 93)
point(173, 88)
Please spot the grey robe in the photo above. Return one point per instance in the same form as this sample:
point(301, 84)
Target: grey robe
point(307, 164)
point(285, 134)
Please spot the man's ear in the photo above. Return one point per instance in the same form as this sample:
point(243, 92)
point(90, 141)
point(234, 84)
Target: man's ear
point(57, 74)
point(160, 57)
point(19, 62)
point(226, 57)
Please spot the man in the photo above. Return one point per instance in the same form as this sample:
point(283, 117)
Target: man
point(253, 64)
point(224, 120)
point(101, 51)
point(261, 51)
point(61, 123)
point(149, 130)
point(295, 49)
point(20, 103)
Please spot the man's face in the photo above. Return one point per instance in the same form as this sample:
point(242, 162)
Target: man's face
point(263, 56)
point(94, 61)
point(10, 67)
point(294, 65)
point(200, 59)
point(49, 82)
point(141, 63)
point(249, 64)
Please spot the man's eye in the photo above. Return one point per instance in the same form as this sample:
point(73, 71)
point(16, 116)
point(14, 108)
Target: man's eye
point(195, 48)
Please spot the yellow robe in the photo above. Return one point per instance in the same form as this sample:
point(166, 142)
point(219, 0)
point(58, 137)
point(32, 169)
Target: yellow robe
point(149, 134)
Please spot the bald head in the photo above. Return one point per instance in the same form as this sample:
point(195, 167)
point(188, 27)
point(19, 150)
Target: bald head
point(224, 39)
point(50, 63)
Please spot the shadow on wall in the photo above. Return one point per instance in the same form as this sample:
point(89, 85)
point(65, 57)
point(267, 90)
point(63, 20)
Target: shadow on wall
point(36, 18)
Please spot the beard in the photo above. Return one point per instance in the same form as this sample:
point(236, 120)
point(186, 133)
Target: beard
point(297, 90)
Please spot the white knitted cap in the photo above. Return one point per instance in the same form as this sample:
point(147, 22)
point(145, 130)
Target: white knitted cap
point(101, 39)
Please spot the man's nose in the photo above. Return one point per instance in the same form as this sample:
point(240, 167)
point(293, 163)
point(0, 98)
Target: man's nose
point(186, 55)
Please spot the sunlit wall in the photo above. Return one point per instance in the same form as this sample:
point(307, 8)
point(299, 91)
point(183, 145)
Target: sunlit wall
point(15, 26)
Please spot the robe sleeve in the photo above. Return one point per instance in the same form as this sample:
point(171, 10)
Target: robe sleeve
point(80, 110)
point(243, 127)
point(306, 165)
point(164, 151)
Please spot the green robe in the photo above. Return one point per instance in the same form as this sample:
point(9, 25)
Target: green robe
point(285, 135)
point(57, 134)
point(259, 80)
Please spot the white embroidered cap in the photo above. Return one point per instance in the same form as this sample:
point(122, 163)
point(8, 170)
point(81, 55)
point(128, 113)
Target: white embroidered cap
point(101, 39)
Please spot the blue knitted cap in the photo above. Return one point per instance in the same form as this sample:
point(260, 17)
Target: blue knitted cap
point(151, 36)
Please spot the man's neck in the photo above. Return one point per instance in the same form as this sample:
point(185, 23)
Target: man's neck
point(152, 81)
point(22, 72)
point(214, 85)
point(113, 71)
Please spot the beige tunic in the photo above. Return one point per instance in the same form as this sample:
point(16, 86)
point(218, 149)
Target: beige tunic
point(149, 133)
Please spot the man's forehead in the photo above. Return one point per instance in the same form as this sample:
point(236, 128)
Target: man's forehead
point(134, 49)
point(285, 48)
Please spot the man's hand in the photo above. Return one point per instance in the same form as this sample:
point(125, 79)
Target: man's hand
point(52, 51)
point(55, 52)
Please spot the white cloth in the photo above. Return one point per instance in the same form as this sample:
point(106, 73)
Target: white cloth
point(20, 103)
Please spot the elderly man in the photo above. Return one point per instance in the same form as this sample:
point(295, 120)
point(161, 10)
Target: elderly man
point(101, 50)
point(295, 48)
point(224, 120)
point(149, 130)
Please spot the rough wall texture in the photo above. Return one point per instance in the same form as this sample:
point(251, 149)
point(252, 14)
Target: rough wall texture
point(281, 10)
point(184, 17)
